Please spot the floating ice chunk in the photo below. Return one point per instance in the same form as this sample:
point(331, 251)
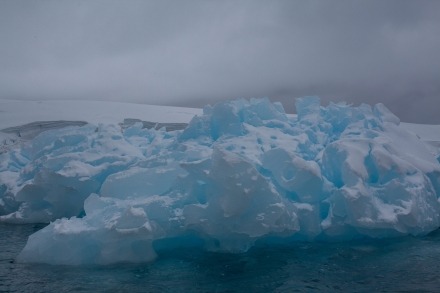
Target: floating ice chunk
point(240, 173)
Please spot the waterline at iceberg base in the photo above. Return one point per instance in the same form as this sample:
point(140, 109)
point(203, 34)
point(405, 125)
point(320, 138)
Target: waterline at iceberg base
point(241, 174)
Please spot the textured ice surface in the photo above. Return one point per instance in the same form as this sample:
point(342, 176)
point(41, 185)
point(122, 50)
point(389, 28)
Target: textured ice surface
point(240, 173)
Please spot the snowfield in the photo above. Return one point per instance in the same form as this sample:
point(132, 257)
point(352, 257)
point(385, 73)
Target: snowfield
point(242, 172)
point(23, 120)
point(15, 113)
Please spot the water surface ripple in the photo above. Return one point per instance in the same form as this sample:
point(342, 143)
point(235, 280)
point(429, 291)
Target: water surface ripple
point(396, 265)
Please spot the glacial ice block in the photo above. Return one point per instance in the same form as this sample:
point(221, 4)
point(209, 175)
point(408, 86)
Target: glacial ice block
point(241, 173)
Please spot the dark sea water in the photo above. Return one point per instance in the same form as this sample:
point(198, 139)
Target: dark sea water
point(398, 265)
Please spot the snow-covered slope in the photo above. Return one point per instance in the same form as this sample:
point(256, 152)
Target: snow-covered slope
point(23, 120)
point(15, 113)
point(430, 134)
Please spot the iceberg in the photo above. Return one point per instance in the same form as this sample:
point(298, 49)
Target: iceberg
point(242, 173)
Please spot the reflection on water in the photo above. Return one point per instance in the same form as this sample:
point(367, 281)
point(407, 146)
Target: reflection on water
point(403, 265)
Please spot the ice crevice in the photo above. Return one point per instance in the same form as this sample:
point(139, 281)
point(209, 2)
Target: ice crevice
point(241, 173)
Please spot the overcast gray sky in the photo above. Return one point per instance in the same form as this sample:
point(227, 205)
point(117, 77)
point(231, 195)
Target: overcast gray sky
point(190, 53)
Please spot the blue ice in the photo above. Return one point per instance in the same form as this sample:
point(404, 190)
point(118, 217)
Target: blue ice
point(244, 172)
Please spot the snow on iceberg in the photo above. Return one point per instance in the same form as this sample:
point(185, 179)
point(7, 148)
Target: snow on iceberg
point(241, 173)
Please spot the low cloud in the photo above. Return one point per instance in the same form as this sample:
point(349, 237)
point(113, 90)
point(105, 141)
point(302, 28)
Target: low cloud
point(190, 53)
